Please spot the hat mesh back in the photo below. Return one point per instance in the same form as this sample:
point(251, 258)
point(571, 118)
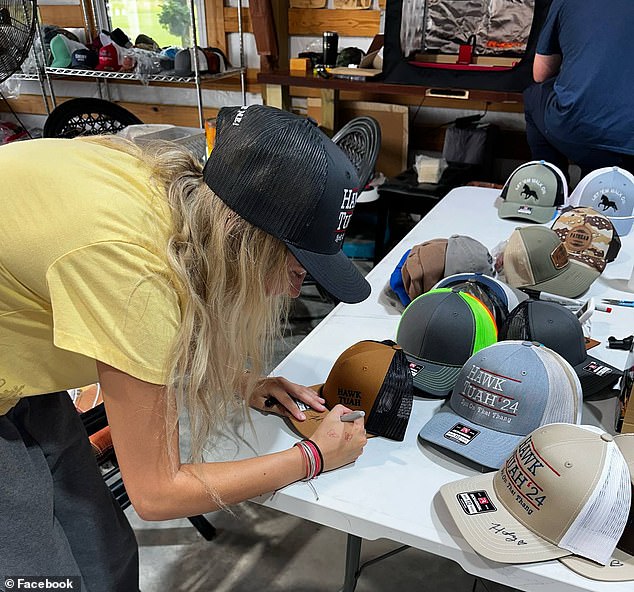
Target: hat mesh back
point(393, 403)
point(598, 526)
point(486, 332)
point(487, 296)
point(517, 264)
point(517, 326)
point(561, 406)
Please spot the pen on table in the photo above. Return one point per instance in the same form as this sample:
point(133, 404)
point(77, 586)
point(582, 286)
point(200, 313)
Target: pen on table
point(602, 307)
point(617, 302)
point(352, 415)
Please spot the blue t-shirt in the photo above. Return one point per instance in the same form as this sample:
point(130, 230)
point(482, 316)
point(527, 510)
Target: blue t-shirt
point(593, 99)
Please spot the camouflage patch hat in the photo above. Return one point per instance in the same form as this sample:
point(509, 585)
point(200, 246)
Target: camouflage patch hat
point(589, 237)
point(533, 192)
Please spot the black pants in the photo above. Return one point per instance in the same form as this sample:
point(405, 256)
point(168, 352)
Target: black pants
point(57, 516)
point(545, 146)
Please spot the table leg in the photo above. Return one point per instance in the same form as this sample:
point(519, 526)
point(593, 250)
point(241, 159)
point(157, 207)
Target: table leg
point(382, 224)
point(353, 555)
point(277, 95)
point(329, 97)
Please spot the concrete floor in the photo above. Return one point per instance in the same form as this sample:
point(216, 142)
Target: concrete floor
point(258, 548)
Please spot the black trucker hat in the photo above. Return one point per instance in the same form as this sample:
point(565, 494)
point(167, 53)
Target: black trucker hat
point(282, 174)
point(557, 328)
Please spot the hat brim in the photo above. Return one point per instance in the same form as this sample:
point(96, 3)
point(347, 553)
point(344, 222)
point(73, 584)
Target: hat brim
point(337, 274)
point(61, 62)
point(434, 380)
point(488, 448)
point(539, 214)
point(308, 427)
point(493, 543)
point(603, 377)
point(620, 567)
point(571, 283)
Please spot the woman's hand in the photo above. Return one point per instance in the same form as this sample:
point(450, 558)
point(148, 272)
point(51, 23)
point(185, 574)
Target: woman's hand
point(277, 394)
point(340, 442)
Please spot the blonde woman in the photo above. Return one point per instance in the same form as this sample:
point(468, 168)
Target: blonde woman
point(167, 284)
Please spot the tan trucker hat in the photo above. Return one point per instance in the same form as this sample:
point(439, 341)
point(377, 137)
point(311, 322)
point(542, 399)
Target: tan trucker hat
point(371, 376)
point(536, 258)
point(620, 568)
point(564, 490)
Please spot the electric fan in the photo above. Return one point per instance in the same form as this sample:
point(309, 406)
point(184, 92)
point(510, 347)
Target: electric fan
point(17, 29)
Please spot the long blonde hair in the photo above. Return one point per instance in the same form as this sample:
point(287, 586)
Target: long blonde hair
point(222, 266)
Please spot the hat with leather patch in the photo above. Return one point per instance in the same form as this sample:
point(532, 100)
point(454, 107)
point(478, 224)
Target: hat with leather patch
point(620, 567)
point(275, 149)
point(565, 490)
point(503, 393)
point(439, 331)
point(533, 192)
point(589, 237)
point(536, 258)
point(559, 329)
point(371, 376)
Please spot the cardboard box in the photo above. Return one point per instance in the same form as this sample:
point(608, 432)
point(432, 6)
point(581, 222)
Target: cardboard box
point(394, 122)
point(300, 65)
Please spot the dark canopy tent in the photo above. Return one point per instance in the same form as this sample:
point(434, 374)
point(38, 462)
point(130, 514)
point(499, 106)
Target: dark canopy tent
point(399, 69)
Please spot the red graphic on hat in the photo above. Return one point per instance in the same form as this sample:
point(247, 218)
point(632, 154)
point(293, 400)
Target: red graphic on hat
point(108, 58)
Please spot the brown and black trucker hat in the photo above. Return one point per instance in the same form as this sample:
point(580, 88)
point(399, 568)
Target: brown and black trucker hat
point(282, 174)
point(372, 376)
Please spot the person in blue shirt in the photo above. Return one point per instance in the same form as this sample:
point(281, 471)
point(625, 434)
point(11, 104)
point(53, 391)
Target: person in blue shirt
point(581, 107)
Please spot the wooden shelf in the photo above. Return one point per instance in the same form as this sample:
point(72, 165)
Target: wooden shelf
point(277, 89)
point(287, 79)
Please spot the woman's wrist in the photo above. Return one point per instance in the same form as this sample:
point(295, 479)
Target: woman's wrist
point(312, 457)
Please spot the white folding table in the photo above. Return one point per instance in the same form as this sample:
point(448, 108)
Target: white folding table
point(391, 490)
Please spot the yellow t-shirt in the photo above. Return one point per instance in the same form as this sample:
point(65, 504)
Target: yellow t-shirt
point(83, 268)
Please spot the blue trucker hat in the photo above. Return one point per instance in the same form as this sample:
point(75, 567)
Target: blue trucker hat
point(503, 393)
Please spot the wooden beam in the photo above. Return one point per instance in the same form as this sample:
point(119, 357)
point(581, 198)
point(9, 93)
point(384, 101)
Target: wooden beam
point(69, 15)
point(215, 24)
point(351, 23)
point(230, 16)
point(471, 105)
point(146, 112)
point(280, 18)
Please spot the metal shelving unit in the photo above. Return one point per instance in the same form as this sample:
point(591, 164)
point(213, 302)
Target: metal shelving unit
point(103, 76)
point(132, 76)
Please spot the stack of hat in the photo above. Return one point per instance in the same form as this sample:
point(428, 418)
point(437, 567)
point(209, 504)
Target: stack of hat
point(62, 50)
point(426, 264)
point(565, 492)
point(439, 331)
point(211, 60)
